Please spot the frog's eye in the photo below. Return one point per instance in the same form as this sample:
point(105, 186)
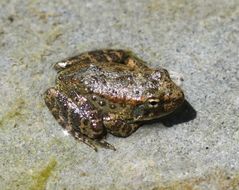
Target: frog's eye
point(153, 102)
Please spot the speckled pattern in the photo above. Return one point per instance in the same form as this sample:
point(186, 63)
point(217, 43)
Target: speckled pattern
point(111, 91)
point(198, 39)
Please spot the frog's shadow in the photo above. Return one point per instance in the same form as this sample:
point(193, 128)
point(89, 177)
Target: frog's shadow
point(183, 114)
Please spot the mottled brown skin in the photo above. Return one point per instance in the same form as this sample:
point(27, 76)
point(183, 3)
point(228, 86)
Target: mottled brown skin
point(109, 91)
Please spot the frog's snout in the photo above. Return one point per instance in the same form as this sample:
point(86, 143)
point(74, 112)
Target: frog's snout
point(173, 100)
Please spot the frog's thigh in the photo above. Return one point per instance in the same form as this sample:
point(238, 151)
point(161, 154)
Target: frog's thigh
point(120, 128)
point(103, 56)
point(57, 107)
point(57, 104)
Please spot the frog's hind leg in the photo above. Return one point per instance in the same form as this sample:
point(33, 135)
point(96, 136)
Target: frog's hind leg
point(105, 144)
point(103, 56)
point(57, 104)
point(93, 143)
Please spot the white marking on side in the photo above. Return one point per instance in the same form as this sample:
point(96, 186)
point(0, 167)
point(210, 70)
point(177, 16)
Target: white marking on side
point(62, 64)
point(65, 133)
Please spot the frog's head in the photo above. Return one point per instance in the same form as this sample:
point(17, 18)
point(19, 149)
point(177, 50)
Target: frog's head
point(161, 97)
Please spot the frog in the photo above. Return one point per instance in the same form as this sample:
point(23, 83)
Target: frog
point(109, 91)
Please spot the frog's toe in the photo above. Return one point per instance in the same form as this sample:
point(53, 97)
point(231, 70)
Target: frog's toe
point(106, 145)
point(91, 145)
point(85, 140)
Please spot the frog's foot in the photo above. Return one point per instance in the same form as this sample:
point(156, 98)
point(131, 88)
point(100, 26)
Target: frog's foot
point(82, 138)
point(71, 116)
point(106, 145)
point(176, 77)
point(93, 143)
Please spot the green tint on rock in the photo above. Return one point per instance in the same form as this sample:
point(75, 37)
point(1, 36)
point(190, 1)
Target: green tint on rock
point(40, 177)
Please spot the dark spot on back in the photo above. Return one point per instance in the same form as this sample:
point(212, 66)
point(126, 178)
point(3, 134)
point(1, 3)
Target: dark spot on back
point(123, 105)
point(85, 122)
point(98, 55)
point(116, 57)
point(112, 106)
point(89, 89)
point(101, 103)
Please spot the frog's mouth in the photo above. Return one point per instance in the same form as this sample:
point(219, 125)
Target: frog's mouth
point(142, 114)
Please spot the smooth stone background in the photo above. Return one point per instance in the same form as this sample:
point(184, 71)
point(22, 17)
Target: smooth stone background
point(198, 39)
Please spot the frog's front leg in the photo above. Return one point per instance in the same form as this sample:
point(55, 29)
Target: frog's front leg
point(78, 117)
point(118, 127)
point(103, 56)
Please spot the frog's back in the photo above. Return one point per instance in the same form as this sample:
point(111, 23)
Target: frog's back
point(115, 82)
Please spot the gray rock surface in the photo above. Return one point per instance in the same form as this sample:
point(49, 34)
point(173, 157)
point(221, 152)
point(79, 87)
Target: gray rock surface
point(199, 39)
